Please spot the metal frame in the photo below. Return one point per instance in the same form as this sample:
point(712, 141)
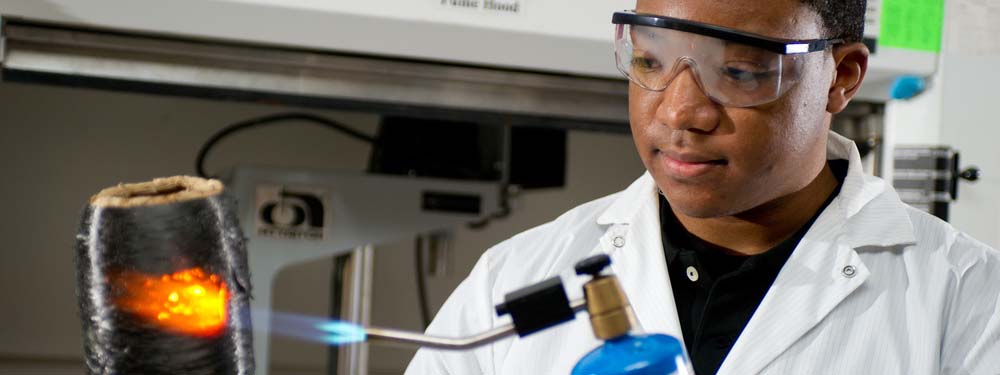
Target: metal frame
point(52, 54)
point(352, 225)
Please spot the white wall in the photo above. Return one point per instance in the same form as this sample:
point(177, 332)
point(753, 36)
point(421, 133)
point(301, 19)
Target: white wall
point(959, 110)
point(969, 119)
point(58, 146)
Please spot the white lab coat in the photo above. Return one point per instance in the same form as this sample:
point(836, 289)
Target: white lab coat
point(923, 297)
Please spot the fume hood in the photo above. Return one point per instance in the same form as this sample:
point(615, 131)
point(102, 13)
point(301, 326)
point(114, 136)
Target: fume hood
point(534, 60)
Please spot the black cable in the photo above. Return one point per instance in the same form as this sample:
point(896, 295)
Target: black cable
point(425, 314)
point(505, 209)
point(271, 119)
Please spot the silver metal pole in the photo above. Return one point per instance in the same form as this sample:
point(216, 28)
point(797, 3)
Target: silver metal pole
point(358, 308)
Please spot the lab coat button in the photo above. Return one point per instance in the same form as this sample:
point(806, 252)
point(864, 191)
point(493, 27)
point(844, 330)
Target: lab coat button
point(692, 273)
point(849, 271)
point(619, 241)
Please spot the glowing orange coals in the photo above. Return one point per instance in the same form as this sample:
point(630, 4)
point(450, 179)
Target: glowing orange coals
point(190, 302)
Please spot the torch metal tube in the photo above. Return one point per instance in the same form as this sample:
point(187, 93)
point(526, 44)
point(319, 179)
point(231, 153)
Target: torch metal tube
point(427, 341)
point(452, 343)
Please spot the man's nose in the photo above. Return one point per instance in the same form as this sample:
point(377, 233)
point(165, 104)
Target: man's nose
point(685, 106)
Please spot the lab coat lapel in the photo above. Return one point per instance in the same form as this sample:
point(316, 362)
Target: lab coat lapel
point(634, 244)
point(821, 272)
point(825, 268)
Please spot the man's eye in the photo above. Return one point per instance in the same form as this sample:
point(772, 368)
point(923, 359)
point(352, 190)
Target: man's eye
point(746, 74)
point(645, 64)
point(738, 75)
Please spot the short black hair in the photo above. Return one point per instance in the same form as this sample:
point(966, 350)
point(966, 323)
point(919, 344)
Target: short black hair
point(844, 19)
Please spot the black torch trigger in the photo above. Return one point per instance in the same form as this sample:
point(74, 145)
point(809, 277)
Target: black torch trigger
point(537, 307)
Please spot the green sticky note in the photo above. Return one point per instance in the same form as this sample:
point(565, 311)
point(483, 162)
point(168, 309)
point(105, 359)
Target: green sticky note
point(911, 24)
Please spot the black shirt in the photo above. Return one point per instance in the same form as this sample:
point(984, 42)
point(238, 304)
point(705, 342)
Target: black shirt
point(716, 293)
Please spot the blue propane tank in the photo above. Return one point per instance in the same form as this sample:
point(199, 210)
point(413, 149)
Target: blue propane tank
point(611, 317)
point(654, 354)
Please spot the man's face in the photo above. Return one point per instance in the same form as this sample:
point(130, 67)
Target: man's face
point(712, 160)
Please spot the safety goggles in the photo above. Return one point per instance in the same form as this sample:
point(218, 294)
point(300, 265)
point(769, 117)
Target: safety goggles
point(732, 67)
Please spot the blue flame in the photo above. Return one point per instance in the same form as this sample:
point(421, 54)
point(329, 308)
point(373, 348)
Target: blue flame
point(342, 332)
point(315, 329)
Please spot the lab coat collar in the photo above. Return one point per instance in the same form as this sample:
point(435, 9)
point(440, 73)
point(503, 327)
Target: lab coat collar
point(624, 207)
point(866, 216)
point(869, 209)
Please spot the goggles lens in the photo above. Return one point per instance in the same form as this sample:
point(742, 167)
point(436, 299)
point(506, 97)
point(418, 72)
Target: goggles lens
point(730, 73)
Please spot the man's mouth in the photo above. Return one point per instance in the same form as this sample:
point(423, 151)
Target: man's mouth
point(688, 165)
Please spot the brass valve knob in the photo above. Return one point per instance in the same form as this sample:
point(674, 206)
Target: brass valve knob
point(610, 312)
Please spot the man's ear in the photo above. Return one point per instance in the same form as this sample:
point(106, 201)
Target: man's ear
point(852, 64)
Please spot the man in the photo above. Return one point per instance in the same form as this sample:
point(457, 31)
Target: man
point(754, 237)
